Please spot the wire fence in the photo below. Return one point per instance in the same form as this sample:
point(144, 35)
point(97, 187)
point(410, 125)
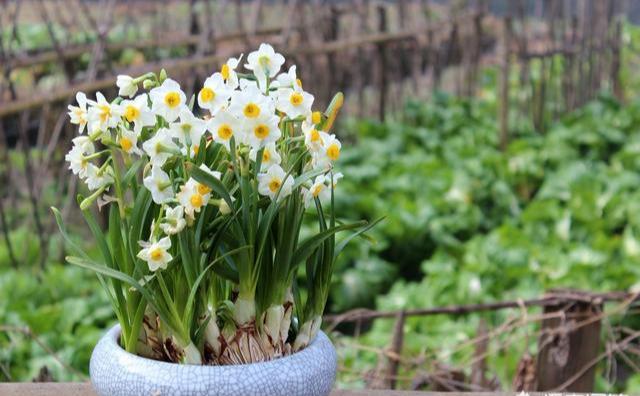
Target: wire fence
point(574, 332)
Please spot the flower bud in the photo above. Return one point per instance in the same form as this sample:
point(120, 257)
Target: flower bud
point(163, 75)
point(148, 84)
point(224, 207)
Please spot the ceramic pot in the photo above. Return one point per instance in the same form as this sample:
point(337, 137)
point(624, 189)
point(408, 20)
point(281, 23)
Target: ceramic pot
point(116, 372)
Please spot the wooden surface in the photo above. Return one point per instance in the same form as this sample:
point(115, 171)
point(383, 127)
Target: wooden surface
point(84, 389)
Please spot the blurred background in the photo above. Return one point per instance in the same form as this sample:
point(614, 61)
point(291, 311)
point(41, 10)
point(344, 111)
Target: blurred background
point(500, 139)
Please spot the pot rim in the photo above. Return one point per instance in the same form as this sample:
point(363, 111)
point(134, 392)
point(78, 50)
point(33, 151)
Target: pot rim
point(110, 339)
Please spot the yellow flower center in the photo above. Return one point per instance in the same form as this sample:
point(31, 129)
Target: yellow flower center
point(299, 82)
point(333, 152)
point(317, 190)
point(296, 98)
point(186, 128)
point(225, 71)
point(126, 144)
point(196, 200)
point(203, 189)
point(131, 113)
point(261, 131)
point(207, 94)
point(251, 110)
point(315, 135)
point(156, 254)
point(225, 132)
point(274, 185)
point(172, 99)
point(316, 117)
point(264, 60)
point(266, 156)
point(105, 112)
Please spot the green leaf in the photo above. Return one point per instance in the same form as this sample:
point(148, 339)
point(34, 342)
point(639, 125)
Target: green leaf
point(132, 172)
point(112, 273)
point(63, 230)
point(348, 239)
point(194, 288)
point(98, 235)
point(306, 249)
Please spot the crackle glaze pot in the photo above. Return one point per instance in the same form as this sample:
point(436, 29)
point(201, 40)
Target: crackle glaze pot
point(115, 372)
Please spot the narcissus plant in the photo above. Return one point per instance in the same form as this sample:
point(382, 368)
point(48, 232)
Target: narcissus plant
point(203, 257)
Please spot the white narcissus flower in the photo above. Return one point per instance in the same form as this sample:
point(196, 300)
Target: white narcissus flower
point(160, 147)
point(97, 177)
point(203, 189)
point(223, 126)
point(137, 111)
point(168, 100)
point(102, 114)
point(250, 103)
point(126, 85)
point(159, 184)
point(270, 156)
point(330, 151)
point(191, 197)
point(273, 180)
point(317, 190)
point(189, 131)
point(214, 94)
point(331, 145)
point(262, 130)
point(264, 62)
point(294, 102)
point(78, 164)
point(173, 221)
point(156, 253)
point(128, 141)
point(194, 195)
point(288, 79)
point(335, 177)
point(228, 72)
point(78, 114)
point(312, 139)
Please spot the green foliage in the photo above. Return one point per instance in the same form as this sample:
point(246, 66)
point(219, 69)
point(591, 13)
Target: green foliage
point(465, 223)
point(469, 223)
point(63, 307)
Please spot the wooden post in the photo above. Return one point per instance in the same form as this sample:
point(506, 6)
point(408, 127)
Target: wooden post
point(503, 107)
point(194, 25)
point(568, 344)
point(396, 349)
point(618, 90)
point(5, 176)
point(382, 59)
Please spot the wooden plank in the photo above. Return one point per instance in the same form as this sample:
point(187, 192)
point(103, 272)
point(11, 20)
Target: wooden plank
point(17, 60)
point(46, 389)
point(84, 389)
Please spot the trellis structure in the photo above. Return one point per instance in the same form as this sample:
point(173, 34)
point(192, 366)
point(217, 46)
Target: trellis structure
point(378, 53)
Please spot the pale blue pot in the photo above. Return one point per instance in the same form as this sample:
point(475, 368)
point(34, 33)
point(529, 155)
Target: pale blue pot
point(115, 372)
